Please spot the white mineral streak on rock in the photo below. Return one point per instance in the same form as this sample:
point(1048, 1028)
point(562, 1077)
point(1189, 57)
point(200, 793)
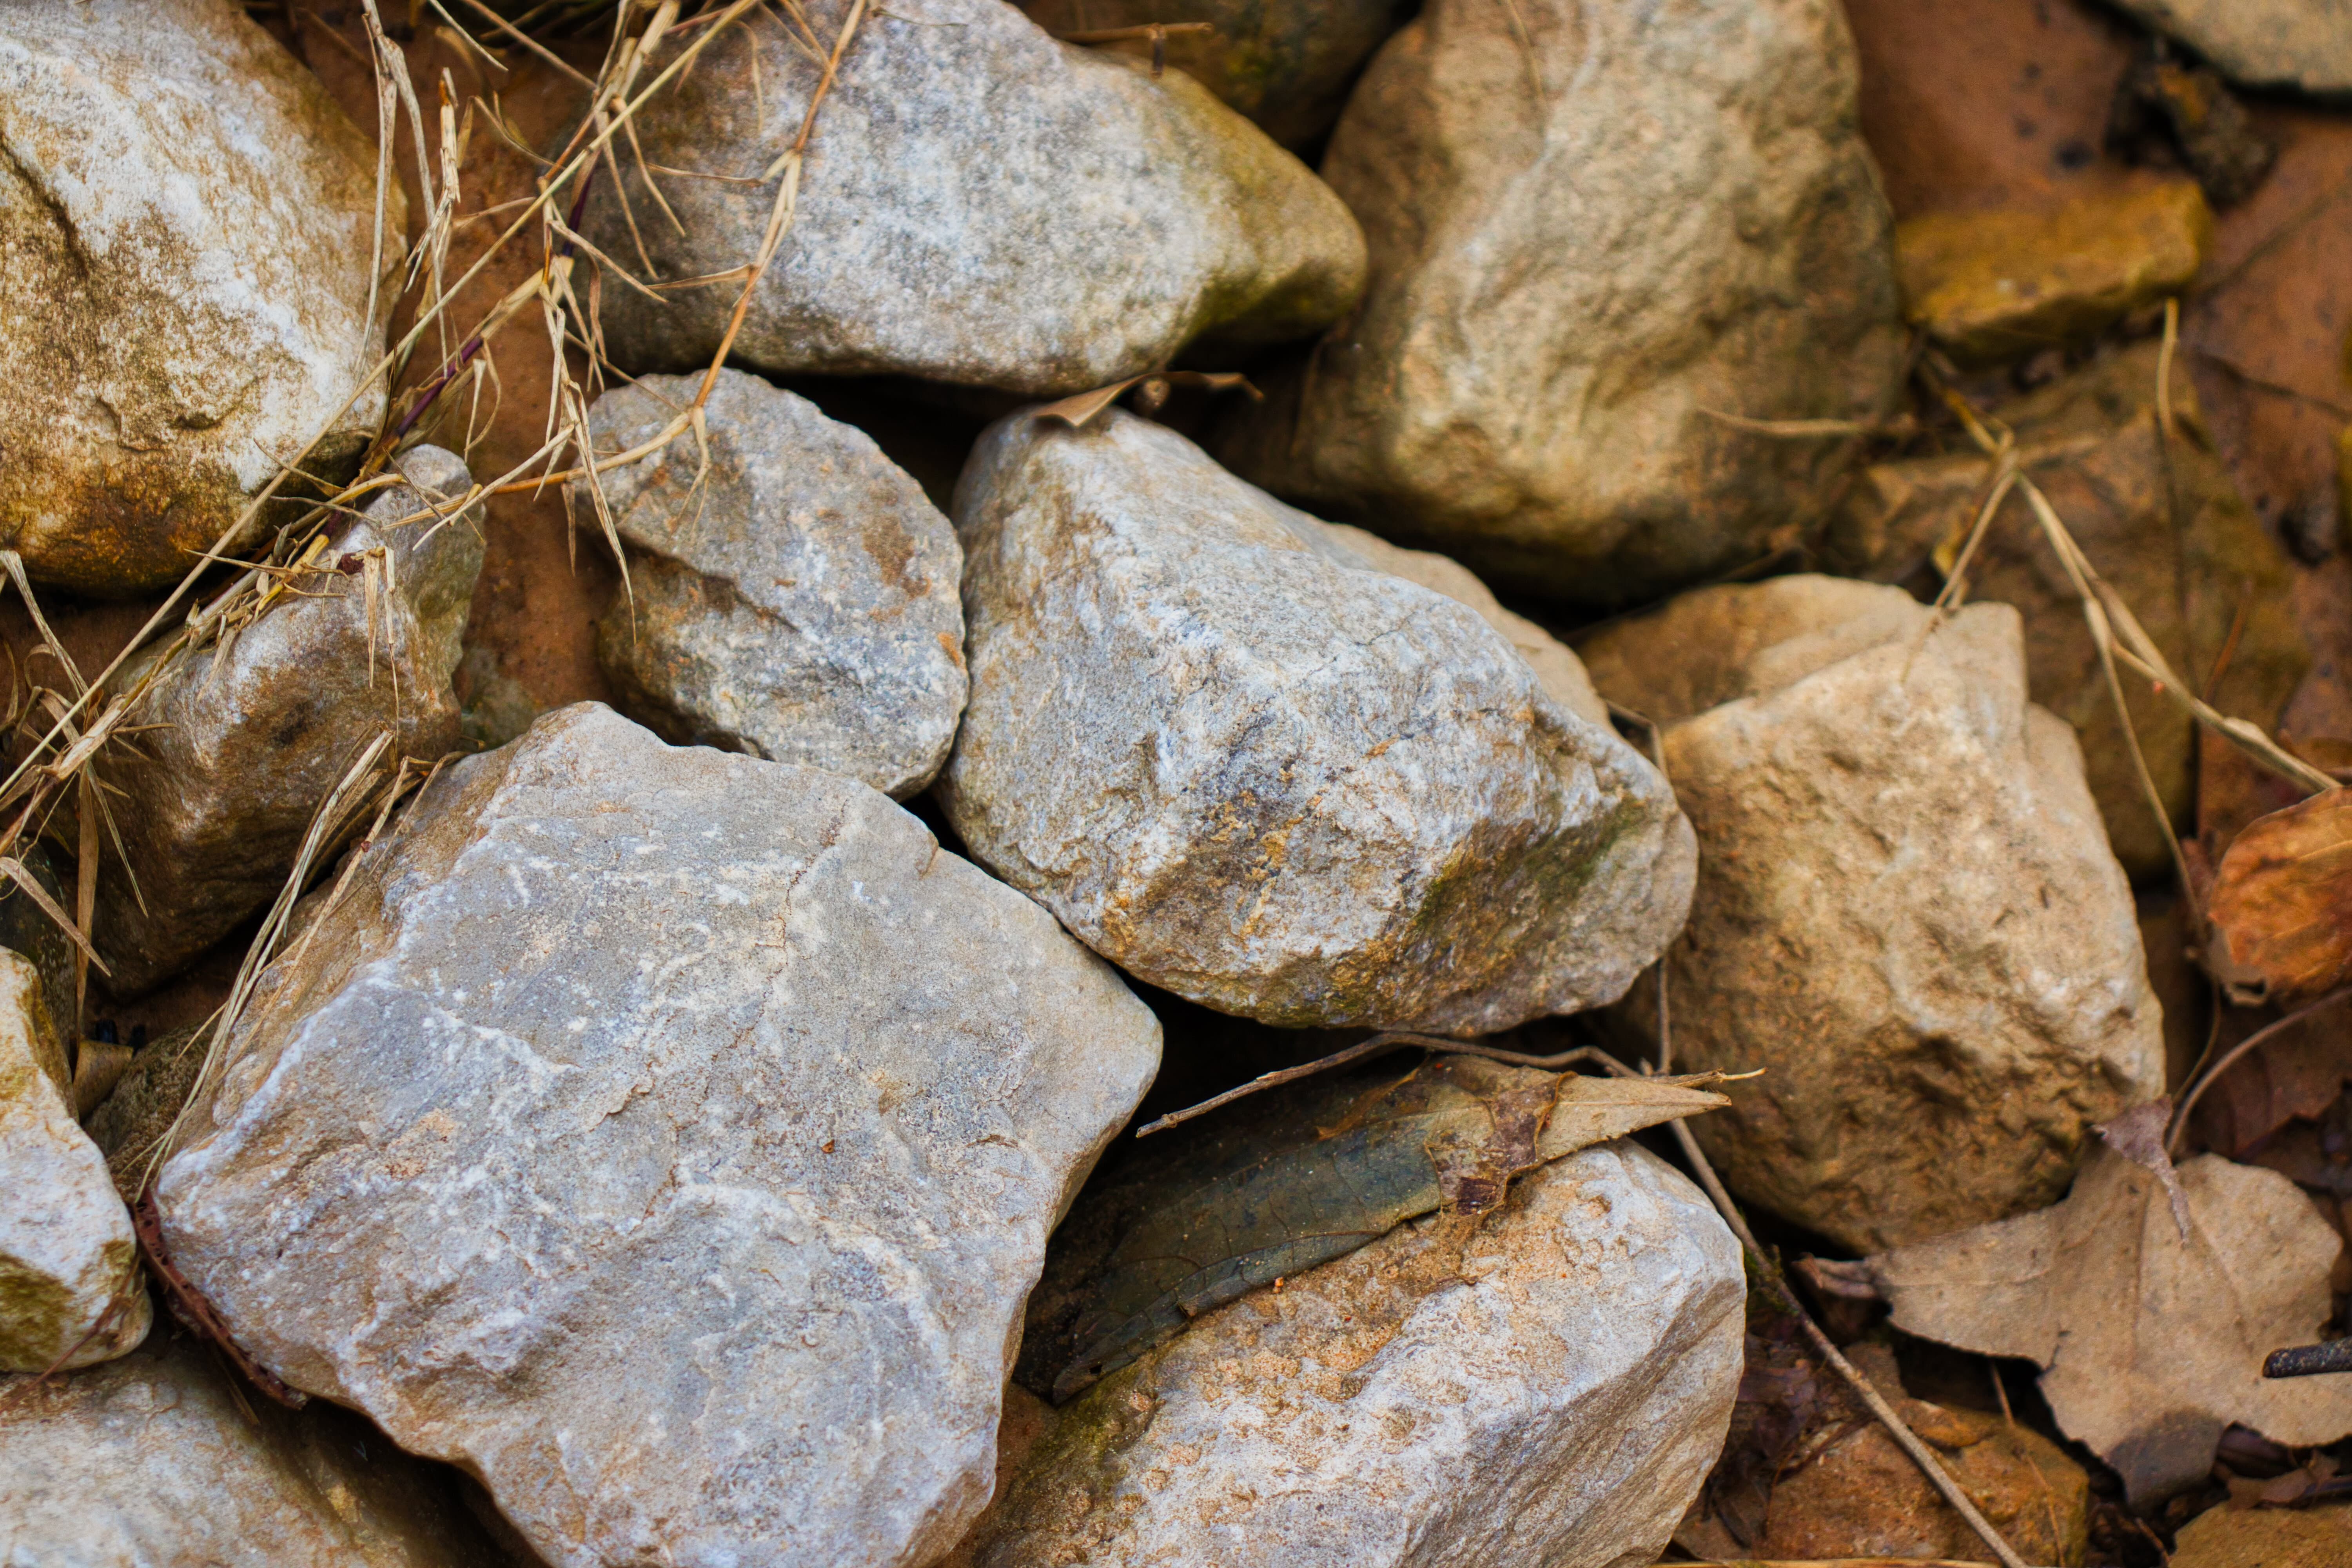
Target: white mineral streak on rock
point(1907, 912)
point(1552, 1387)
point(982, 204)
point(670, 1137)
point(186, 219)
point(66, 1247)
point(798, 599)
point(1247, 769)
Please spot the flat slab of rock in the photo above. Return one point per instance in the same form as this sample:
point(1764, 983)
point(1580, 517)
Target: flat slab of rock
point(186, 219)
point(1907, 911)
point(1550, 1386)
point(253, 736)
point(2305, 44)
point(1311, 792)
point(152, 1459)
point(798, 599)
point(66, 1247)
point(1592, 231)
point(669, 1137)
point(981, 206)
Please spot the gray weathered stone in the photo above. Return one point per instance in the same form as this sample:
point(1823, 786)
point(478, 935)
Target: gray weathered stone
point(1906, 913)
point(66, 1247)
point(2305, 44)
point(798, 600)
point(254, 735)
point(981, 204)
point(1592, 229)
point(1551, 1386)
point(186, 219)
point(1286, 64)
point(670, 1138)
point(152, 1459)
point(1248, 769)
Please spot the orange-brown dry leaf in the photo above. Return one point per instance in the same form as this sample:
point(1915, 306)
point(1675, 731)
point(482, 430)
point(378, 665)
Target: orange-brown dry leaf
point(2281, 902)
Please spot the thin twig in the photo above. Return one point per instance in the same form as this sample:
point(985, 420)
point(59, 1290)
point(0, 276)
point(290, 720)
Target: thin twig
point(2179, 1127)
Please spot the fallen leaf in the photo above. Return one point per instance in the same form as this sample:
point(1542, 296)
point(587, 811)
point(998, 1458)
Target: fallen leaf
point(2282, 904)
point(2296, 1074)
point(1082, 408)
point(2138, 1136)
point(1298, 1176)
point(2150, 1344)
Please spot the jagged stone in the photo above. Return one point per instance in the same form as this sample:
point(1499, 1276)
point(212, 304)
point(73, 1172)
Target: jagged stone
point(2305, 44)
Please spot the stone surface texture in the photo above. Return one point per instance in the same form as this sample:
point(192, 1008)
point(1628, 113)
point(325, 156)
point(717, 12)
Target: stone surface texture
point(186, 220)
point(255, 732)
point(133, 1119)
point(1591, 230)
point(2161, 521)
point(1548, 1387)
point(1313, 793)
point(1990, 286)
point(2305, 44)
point(670, 1138)
point(66, 1247)
point(155, 1459)
point(1286, 64)
point(2266, 1538)
point(798, 599)
point(981, 204)
point(1906, 913)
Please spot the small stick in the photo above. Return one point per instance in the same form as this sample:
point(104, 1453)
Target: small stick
point(2196, 1091)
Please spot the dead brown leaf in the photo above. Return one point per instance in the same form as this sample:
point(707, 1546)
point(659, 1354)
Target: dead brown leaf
point(2150, 1344)
point(2282, 904)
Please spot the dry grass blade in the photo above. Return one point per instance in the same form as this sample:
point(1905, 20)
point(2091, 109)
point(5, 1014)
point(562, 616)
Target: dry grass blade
point(30, 885)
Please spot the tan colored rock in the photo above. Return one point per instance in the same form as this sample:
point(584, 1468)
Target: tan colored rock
point(2163, 522)
point(1550, 1386)
point(131, 1124)
point(1286, 64)
point(1592, 229)
point(2305, 44)
point(1314, 793)
point(792, 592)
point(1906, 913)
point(2266, 1538)
point(252, 736)
point(66, 1248)
point(669, 1138)
point(1990, 286)
point(155, 1459)
point(186, 219)
point(981, 206)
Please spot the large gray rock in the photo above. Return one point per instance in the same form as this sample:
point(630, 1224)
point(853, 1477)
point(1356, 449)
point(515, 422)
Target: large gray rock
point(66, 1248)
point(156, 1459)
point(252, 735)
point(1908, 914)
point(981, 204)
point(1250, 768)
point(2305, 44)
point(1550, 1386)
point(186, 219)
point(796, 599)
point(670, 1138)
point(1592, 229)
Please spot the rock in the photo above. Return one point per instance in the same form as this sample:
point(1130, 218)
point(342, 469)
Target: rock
point(669, 1138)
point(187, 220)
point(1992, 285)
point(2166, 110)
point(981, 206)
point(255, 734)
point(25, 929)
point(1906, 913)
point(66, 1247)
point(1287, 65)
point(2301, 44)
point(2266, 1538)
point(2162, 521)
point(1549, 1387)
point(155, 1459)
point(1316, 793)
point(797, 600)
point(132, 1122)
point(1569, 284)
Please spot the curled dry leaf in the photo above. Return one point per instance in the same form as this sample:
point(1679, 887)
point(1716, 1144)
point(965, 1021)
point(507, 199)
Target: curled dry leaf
point(2150, 1343)
point(2282, 904)
point(1297, 1177)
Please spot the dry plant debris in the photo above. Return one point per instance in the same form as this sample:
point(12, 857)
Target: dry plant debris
point(2282, 904)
